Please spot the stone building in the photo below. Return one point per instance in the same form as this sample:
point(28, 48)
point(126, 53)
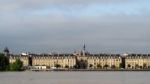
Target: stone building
point(63, 60)
point(23, 58)
point(137, 61)
point(92, 61)
point(100, 61)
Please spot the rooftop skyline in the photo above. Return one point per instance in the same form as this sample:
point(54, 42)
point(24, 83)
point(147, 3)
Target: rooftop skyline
point(115, 26)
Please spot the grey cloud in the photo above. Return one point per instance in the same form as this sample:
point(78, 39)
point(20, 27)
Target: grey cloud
point(57, 32)
point(102, 33)
point(14, 5)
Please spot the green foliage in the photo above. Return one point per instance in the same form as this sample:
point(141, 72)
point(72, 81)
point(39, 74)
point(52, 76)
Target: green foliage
point(4, 62)
point(144, 66)
point(57, 65)
point(82, 64)
point(16, 66)
point(136, 66)
point(66, 66)
point(6, 66)
point(106, 66)
point(129, 66)
point(148, 67)
point(91, 65)
point(121, 65)
point(99, 66)
point(113, 67)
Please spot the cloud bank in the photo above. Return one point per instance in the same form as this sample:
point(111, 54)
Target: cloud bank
point(113, 26)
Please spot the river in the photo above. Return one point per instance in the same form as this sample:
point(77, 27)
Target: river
point(101, 77)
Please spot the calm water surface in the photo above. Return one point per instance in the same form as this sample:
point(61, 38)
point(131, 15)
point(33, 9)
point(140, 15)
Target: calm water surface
point(74, 77)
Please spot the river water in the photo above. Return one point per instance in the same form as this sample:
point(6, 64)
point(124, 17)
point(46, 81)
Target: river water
point(75, 77)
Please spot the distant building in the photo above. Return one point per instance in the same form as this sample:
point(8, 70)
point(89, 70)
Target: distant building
point(94, 61)
point(52, 60)
point(6, 51)
point(23, 58)
point(137, 61)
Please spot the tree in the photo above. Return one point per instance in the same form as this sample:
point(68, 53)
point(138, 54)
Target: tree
point(148, 67)
point(57, 65)
point(129, 66)
point(4, 62)
point(113, 66)
point(81, 64)
point(66, 66)
point(99, 66)
point(91, 65)
point(144, 66)
point(136, 66)
point(121, 65)
point(16, 66)
point(106, 66)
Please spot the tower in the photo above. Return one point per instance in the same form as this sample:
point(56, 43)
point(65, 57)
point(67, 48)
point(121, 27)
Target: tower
point(84, 47)
point(84, 50)
point(6, 51)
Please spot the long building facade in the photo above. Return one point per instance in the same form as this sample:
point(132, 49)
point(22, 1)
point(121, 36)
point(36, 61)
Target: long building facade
point(137, 61)
point(92, 61)
point(52, 60)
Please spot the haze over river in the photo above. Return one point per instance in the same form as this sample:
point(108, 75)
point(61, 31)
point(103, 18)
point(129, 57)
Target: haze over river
point(75, 77)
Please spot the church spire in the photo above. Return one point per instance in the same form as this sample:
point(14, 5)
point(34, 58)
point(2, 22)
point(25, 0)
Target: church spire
point(84, 47)
point(6, 51)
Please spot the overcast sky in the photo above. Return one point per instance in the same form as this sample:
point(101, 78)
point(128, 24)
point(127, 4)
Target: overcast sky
point(43, 26)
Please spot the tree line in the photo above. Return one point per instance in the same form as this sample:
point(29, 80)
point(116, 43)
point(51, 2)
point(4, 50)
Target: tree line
point(6, 66)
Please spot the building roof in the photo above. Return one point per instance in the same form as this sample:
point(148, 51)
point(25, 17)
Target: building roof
point(6, 50)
